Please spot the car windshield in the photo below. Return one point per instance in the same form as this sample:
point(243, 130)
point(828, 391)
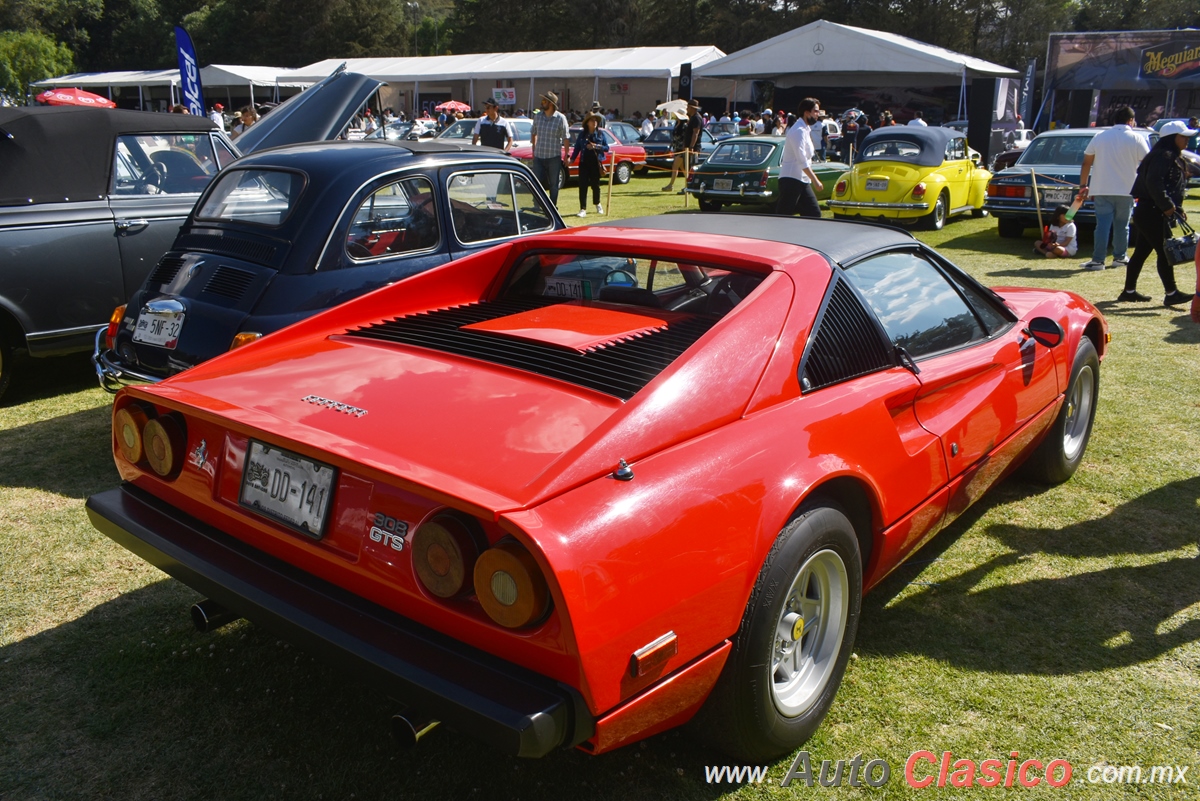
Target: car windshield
point(1055, 150)
point(741, 154)
point(260, 197)
point(890, 149)
point(463, 129)
point(722, 128)
point(659, 135)
point(396, 130)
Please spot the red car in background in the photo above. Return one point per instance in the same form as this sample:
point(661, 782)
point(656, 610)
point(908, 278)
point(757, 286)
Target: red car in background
point(627, 158)
point(584, 486)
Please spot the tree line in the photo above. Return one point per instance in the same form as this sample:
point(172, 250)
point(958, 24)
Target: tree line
point(43, 38)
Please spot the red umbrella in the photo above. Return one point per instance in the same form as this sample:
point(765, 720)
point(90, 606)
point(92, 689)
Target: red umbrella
point(74, 97)
point(452, 105)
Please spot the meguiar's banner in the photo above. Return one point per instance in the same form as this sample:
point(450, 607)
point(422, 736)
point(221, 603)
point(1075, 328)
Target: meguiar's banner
point(1124, 60)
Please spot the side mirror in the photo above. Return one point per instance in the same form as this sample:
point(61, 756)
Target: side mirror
point(1044, 331)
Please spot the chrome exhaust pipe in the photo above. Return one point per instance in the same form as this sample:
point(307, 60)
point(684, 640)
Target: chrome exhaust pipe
point(408, 731)
point(208, 615)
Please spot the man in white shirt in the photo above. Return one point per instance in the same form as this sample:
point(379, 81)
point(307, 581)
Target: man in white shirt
point(796, 177)
point(217, 115)
point(1111, 162)
point(918, 119)
point(648, 125)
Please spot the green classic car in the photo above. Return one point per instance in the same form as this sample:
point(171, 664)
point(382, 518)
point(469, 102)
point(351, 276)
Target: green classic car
point(745, 169)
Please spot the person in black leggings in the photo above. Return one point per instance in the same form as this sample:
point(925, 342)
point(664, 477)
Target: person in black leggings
point(590, 146)
point(1159, 187)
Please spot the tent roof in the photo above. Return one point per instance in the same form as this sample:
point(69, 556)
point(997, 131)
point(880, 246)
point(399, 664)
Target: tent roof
point(624, 62)
point(828, 54)
point(212, 75)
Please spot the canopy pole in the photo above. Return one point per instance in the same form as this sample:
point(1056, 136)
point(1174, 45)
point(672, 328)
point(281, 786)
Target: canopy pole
point(669, 87)
point(141, 100)
point(596, 89)
point(962, 96)
point(529, 106)
point(471, 92)
point(252, 94)
point(416, 99)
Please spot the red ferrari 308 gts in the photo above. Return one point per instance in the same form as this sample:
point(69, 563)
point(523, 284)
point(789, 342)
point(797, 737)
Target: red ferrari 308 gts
point(590, 485)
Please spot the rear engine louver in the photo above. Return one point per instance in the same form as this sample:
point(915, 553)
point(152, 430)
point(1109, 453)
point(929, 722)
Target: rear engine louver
point(230, 245)
point(165, 271)
point(847, 343)
point(619, 369)
point(229, 282)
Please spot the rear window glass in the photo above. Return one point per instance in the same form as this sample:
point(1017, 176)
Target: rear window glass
point(494, 205)
point(259, 197)
point(1055, 150)
point(891, 149)
point(741, 153)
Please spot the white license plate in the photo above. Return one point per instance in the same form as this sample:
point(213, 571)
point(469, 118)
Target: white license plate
point(877, 184)
point(1055, 196)
point(723, 184)
point(159, 328)
point(287, 488)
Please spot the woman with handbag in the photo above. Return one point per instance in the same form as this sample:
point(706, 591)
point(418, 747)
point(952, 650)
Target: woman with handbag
point(590, 147)
point(1159, 187)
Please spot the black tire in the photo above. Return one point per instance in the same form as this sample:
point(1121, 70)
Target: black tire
point(977, 213)
point(936, 219)
point(562, 177)
point(709, 205)
point(1009, 228)
point(756, 712)
point(5, 364)
point(624, 173)
point(1061, 452)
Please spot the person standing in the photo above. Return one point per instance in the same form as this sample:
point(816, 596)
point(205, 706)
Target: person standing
point(918, 120)
point(648, 125)
point(1159, 187)
point(217, 115)
point(685, 142)
point(590, 146)
point(1111, 163)
point(246, 118)
point(550, 137)
point(796, 177)
point(492, 130)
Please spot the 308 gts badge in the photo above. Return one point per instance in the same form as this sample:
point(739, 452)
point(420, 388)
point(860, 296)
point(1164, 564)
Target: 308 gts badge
point(388, 530)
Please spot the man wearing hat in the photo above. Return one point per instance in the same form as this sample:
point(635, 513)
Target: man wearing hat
point(217, 115)
point(598, 111)
point(685, 138)
point(492, 130)
point(550, 138)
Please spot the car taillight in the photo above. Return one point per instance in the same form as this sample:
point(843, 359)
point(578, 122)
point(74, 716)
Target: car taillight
point(919, 190)
point(165, 438)
point(114, 324)
point(510, 586)
point(444, 551)
point(762, 181)
point(840, 188)
point(1007, 190)
point(244, 338)
point(128, 425)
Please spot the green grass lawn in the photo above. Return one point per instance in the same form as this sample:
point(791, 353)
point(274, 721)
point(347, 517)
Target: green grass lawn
point(1060, 623)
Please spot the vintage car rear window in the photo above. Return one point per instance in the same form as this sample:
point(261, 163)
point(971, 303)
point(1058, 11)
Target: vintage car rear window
point(259, 197)
point(494, 205)
point(890, 149)
point(1055, 150)
point(397, 219)
point(156, 164)
point(743, 154)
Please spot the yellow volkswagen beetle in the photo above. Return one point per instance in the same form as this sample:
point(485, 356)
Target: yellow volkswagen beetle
point(911, 174)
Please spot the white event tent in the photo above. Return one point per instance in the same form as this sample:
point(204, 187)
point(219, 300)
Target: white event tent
point(637, 76)
point(221, 83)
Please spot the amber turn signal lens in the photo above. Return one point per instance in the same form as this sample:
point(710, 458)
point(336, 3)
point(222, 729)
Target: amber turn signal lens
point(165, 439)
point(114, 325)
point(244, 338)
point(510, 585)
point(444, 550)
point(128, 424)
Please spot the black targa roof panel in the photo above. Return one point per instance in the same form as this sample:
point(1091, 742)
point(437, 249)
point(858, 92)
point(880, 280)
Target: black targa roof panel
point(62, 154)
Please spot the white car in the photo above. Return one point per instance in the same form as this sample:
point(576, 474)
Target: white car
point(465, 129)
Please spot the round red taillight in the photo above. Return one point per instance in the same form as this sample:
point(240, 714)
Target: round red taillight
point(840, 188)
point(128, 424)
point(510, 586)
point(165, 438)
point(444, 550)
point(919, 190)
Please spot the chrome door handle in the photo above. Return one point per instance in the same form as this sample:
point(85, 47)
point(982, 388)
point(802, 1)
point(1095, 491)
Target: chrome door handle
point(129, 225)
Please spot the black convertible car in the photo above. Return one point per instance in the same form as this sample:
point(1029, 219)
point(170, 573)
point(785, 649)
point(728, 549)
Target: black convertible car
point(290, 231)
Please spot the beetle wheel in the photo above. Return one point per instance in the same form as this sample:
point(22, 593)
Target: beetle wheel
point(795, 639)
point(941, 209)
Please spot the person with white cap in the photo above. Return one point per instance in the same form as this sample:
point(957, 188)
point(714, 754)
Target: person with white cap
point(1159, 188)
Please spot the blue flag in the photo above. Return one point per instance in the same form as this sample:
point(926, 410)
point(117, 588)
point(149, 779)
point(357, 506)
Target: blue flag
point(189, 73)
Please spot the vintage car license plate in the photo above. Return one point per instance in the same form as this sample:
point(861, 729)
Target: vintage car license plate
point(877, 184)
point(159, 328)
point(723, 184)
point(287, 488)
point(1055, 196)
point(573, 288)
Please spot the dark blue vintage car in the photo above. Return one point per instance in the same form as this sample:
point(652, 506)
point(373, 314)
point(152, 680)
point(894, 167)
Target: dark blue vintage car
point(288, 232)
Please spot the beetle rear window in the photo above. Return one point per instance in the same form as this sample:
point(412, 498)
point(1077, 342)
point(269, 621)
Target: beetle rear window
point(891, 149)
point(259, 197)
point(746, 154)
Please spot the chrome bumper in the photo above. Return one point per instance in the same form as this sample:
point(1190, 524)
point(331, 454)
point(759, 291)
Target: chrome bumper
point(856, 204)
point(113, 375)
point(728, 193)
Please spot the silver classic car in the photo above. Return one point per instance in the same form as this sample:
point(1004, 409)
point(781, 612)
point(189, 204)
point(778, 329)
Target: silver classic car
point(90, 199)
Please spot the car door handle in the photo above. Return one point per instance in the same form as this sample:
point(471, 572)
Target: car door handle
point(130, 225)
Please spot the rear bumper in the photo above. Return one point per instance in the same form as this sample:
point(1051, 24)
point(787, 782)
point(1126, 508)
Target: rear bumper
point(860, 206)
point(112, 374)
point(513, 709)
